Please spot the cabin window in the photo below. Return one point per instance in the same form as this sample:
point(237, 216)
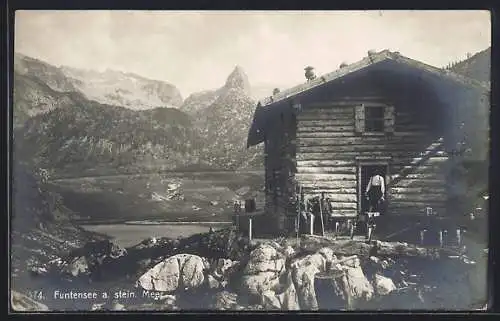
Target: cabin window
point(374, 119)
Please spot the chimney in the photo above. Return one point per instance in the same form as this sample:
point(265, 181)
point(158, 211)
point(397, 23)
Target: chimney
point(309, 73)
point(371, 54)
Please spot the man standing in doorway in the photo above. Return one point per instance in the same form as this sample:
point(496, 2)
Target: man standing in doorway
point(375, 191)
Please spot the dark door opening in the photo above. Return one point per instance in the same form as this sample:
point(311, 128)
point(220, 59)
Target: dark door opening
point(365, 173)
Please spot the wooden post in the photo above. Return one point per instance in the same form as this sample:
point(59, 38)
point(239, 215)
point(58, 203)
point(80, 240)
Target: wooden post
point(250, 228)
point(237, 208)
point(351, 228)
point(238, 216)
point(441, 237)
point(297, 230)
point(370, 231)
point(312, 224)
point(321, 216)
point(299, 211)
point(422, 236)
point(459, 236)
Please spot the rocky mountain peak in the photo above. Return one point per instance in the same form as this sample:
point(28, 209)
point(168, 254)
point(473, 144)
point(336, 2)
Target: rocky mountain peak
point(238, 79)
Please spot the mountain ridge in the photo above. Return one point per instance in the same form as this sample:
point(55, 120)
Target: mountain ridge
point(111, 87)
point(71, 134)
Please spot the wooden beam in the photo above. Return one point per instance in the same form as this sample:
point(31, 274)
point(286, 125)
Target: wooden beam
point(418, 197)
point(328, 191)
point(420, 183)
point(418, 176)
point(351, 155)
point(324, 177)
point(404, 203)
point(350, 102)
point(312, 129)
point(328, 185)
point(369, 160)
point(321, 135)
point(344, 205)
point(344, 212)
point(324, 163)
point(368, 143)
point(418, 190)
point(325, 123)
point(340, 198)
point(326, 170)
point(356, 140)
point(322, 116)
point(358, 148)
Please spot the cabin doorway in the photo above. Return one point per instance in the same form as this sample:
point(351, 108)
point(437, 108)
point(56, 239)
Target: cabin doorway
point(365, 172)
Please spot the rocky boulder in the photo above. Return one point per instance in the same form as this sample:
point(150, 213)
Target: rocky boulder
point(288, 297)
point(224, 243)
point(263, 270)
point(21, 303)
point(165, 302)
point(355, 284)
point(270, 301)
point(383, 285)
point(303, 272)
point(222, 273)
point(343, 285)
point(265, 258)
point(95, 259)
point(224, 300)
point(38, 268)
point(295, 289)
point(79, 266)
point(178, 272)
point(100, 250)
point(255, 285)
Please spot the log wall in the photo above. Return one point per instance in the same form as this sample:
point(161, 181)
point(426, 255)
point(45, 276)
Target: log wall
point(329, 149)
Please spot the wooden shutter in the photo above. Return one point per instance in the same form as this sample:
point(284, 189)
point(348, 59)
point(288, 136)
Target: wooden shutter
point(389, 119)
point(359, 119)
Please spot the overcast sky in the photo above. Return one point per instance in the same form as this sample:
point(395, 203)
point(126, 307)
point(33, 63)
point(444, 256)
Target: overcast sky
point(197, 50)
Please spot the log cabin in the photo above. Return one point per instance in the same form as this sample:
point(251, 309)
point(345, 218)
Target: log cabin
point(416, 124)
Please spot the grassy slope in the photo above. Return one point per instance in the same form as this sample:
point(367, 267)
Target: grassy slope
point(170, 197)
point(476, 67)
point(87, 135)
point(40, 230)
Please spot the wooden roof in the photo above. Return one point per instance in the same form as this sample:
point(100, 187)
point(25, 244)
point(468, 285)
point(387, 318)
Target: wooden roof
point(365, 62)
